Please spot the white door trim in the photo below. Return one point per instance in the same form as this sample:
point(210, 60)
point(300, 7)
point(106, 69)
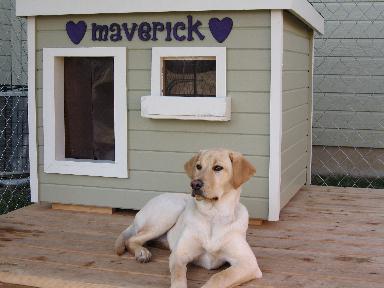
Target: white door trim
point(32, 125)
point(275, 116)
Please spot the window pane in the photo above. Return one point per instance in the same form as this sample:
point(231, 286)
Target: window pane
point(190, 78)
point(88, 108)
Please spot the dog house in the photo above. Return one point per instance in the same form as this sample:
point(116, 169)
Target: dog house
point(122, 93)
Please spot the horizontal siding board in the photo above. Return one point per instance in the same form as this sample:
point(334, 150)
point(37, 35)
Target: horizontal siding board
point(249, 102)
point(349, 102)
point(295, 80)
point(247, 123)
point(248, 59)
point(295, 116)
point(292, 153)
point(237, 59)
point(248, 81)
point(158, 161)
point(240, 123)
point(241, 81)
point(240, 19)
point(295, 98)
point(239, 38)
point(148, 181)
point(257, 145)
point(349, 120)
point(291, 188)
point(294, 168)
point(123, 198)
point(291, 135)
point(295, 61)
point(348, 138)
point(348, 84)
point(139, 79)
point(247, 144)
point(295, 43)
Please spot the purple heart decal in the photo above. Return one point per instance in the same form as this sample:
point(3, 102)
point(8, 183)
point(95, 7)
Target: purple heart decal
point(220, 29)
point(76, 31)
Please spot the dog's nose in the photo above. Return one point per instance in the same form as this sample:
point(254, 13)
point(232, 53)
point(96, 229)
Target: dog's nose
point(197, 184)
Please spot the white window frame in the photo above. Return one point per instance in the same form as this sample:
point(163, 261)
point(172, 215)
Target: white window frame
point(184, 52)
point(159, 106)
point(53, 114)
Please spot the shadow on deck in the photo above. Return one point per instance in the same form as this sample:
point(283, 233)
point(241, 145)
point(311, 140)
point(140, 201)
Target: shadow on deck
point(327, 237)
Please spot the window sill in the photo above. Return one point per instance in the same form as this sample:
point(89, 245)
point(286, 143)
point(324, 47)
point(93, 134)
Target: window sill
point(82, 167)
point(186, 108)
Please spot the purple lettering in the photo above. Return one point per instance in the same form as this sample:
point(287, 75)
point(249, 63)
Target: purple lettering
point(194, 28)
point(144, 31)
point(129, 33)
point(181, 26)
point(116, 30)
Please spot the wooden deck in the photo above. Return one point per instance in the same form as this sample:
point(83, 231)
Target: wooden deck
point(326, 238)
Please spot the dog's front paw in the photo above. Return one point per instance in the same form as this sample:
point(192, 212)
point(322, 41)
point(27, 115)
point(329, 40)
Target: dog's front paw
point(143, 255)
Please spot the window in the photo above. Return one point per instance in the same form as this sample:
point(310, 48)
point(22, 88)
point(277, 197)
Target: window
point(188, 83)
point(85, 111)
point(189, 77)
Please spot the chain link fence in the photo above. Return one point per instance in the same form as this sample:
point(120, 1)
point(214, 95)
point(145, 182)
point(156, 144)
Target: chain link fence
point(348, 120)
point(14, 164)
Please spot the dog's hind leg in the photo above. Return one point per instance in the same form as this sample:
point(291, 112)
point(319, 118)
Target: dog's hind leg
point(151, 222)
point(120, 241)
point(136, 242)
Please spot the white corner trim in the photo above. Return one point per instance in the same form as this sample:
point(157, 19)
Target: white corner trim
point(186, 108)
point(310, 116)
point(275, 116)
point(32, 125)
point(300, 8)
point(218, 52)
point(53, 114)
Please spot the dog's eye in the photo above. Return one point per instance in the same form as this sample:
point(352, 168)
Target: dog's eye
point(198, 167)
point(217, 168)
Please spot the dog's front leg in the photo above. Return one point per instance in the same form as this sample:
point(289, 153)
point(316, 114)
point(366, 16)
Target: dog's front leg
point(187, 249)
point(243, 262)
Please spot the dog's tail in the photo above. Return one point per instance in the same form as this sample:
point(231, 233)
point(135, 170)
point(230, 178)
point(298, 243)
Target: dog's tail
point(120, 241)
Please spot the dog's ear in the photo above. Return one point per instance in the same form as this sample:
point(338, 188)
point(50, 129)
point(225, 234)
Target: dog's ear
point(242, 169)
point(190, 165)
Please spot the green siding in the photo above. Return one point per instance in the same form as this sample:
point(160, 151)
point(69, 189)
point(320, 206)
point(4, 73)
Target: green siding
point(157, 149)
point(296, 106)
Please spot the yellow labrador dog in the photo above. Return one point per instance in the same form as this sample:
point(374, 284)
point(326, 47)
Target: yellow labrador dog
point(207, 229)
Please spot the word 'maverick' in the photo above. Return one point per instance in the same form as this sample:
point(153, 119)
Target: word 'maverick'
point(151, 31)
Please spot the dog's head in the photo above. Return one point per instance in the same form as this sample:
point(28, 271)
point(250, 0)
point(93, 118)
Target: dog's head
point(216, 172)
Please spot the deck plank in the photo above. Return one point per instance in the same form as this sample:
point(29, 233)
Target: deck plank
point(327, 237)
